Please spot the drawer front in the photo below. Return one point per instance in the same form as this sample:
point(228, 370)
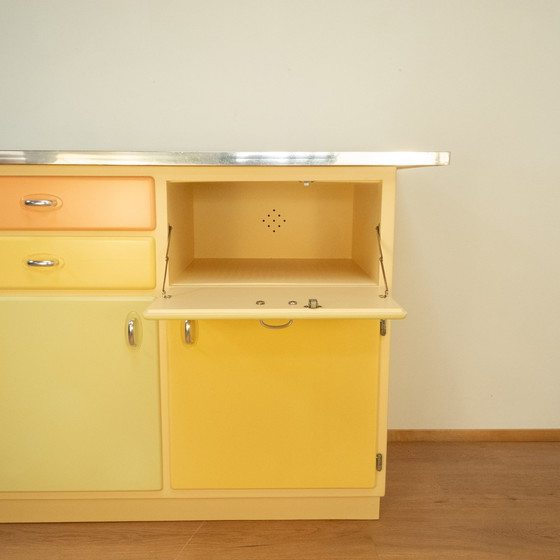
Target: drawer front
point(77, 262)
point(79, 203)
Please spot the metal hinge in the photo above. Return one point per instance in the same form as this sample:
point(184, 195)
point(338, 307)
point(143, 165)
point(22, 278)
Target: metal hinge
point(383, 327)
point(379, 462)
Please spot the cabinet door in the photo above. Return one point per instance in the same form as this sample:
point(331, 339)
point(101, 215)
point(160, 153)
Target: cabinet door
point(252, 407)
point(80, 405)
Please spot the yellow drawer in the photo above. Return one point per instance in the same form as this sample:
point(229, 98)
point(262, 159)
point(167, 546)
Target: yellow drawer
point(77, 262)
point(78, 203)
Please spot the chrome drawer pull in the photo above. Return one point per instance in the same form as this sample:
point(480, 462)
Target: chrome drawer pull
point(45, 263)
point(284, 326)
point(130, 332)
point(40, 202)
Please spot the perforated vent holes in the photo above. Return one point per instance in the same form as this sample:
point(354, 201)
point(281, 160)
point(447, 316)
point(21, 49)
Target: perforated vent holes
point(274, 221)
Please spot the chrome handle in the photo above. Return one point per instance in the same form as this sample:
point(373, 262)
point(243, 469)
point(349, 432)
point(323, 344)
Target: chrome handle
point(42, 263)
point(188, 332)
point(130, 332)
point(133, 330)
point(39, 202)
point(284, 326)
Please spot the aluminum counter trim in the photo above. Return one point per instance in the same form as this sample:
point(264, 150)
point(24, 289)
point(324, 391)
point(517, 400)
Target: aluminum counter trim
point(390, 159)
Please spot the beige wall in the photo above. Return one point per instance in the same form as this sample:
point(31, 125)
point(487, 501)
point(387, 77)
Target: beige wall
point(477, 262)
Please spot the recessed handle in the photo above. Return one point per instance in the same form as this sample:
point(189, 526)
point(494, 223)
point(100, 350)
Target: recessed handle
point(42, 263)
point(276, 327)
point(40, 203)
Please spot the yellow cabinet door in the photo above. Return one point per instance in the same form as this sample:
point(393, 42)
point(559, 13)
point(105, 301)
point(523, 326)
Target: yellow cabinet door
point(80, 395)
point(252, 407)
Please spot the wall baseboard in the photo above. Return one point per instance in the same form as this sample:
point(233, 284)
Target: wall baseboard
point(474, 435)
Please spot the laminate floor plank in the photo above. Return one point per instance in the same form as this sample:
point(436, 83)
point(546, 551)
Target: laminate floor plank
point(458, 500)
point(472, 501)
point(282, 540)
point(95, 541)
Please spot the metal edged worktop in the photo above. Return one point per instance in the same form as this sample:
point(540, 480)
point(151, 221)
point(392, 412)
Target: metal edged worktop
point(391, 159)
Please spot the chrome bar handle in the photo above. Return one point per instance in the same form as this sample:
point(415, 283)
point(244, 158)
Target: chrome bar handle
point(42, 263)
point(276, 327)
point(130, 332)
point(41, 203)
point(188, 332)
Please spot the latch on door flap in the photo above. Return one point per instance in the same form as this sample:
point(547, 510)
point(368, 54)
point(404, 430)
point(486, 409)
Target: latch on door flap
point(313, 304)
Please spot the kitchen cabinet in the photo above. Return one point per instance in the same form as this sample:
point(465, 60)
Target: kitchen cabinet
point(211, 341)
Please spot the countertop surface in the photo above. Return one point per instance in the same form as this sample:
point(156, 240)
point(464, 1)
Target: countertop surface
point(389, 159)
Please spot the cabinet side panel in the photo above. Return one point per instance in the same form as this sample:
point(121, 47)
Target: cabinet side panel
point(180, 218)
point(367, 213)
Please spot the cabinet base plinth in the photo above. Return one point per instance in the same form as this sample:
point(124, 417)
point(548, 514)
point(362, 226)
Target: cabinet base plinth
point(48, 510)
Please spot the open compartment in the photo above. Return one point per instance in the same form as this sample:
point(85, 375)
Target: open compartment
point(241, 249)
point(274, 233)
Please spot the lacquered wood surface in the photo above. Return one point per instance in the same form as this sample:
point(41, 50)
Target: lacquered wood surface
point(80, 405)
point(252, 407)
point(77, 203)
point(77, 263)
point(476, 501)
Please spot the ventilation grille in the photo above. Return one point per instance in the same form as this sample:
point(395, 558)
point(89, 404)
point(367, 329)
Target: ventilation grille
point(274, 221)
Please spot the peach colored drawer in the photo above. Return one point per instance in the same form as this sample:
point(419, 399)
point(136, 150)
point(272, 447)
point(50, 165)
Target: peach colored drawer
point(79, 203)
point(77, 263)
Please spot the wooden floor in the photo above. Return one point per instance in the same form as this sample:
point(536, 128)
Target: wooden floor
point(488, 501)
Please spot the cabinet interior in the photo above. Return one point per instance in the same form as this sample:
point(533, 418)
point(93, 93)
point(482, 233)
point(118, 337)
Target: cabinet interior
point(273, 232)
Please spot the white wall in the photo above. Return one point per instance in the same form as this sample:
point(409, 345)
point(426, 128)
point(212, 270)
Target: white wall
point(477, 262)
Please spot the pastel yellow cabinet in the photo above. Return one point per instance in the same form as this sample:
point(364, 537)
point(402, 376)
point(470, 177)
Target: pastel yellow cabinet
point(80, 395)
point(253, 407)
point(245, 421)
